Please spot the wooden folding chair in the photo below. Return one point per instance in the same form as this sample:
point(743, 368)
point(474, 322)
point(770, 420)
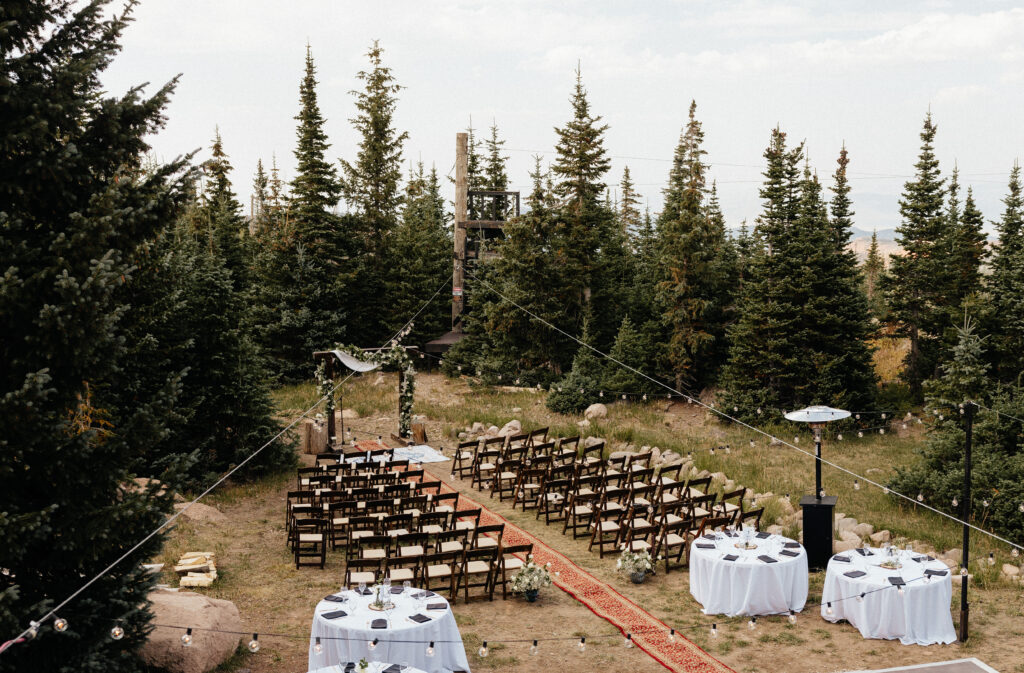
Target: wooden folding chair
point(641, 538)
point(361, 571)
point(698, 487)
point(538, 436)
point(433, 523)
point(303, 474)
point(674, 542)
point(484, 465)
point(670, 491)
point(377, 547)
point(394, 525)
point(338, 514)
point(527, 487)
point(462, 460)
point(488, 536)
point(445, 502)
point(402, 568)
point(310, 542)
point(551, 499)
point(605, 528)
point(509, 561)
point(477, 572)
point(592, 459)
point(669, 473)
point(579, 513)
point(731, 504)
point(505, 476)
point(467, 519)
point(298, 504)
point(451, 541)
point(441, 567)
point(702, 506)
point(640, 461)
point(411, 545)
point(753, 515)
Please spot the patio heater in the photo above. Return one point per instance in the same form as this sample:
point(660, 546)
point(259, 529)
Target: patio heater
point(818, 508)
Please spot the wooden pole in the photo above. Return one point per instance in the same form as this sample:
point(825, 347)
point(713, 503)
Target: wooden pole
point(329, 371)
point(965, 513)
point(461, 194)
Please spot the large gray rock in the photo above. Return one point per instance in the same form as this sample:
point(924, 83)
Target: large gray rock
point(849, 536)
point(209, 650)
point(863, 529)
point(591, 441)
point(596, 410)
point(585, 423)
point(881, 537)
point(956, 555)
point(201, 513)
point(513, 427)
point(846, 523)
point(349, 414)
point(839, 546)
point(478, 428)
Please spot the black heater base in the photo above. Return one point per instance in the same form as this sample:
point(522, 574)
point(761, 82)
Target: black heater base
point(818, 526)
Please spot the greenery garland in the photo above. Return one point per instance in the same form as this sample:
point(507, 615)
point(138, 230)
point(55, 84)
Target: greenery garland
point(392, 359)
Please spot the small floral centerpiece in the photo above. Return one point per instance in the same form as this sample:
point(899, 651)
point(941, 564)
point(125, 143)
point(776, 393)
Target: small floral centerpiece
point(364, 665)
point(890, 564)
point(635, 564)
point(531, 578)
point(382, 598)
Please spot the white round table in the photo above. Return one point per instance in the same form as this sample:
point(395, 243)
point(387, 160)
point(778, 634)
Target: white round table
point(921, 615)
point(403, 641)
point(375, 667)
point(746, 584)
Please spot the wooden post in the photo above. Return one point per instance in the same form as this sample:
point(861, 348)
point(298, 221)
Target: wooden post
point(461, 194)
point(329, 371)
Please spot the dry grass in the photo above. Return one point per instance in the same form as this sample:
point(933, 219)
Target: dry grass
point(889, 355)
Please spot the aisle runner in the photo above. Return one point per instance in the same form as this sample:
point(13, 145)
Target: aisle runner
point(649, 633)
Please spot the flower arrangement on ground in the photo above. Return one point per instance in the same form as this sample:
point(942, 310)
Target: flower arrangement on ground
point(636, 564)
point(531, 578)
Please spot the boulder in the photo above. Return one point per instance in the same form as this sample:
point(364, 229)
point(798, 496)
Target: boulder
point(729, 486)
point(516, 410)
point(703, 473)
point(492, 431)
point(590, 441)
point(774, 530)
point(583, 424)
point(209, 649)
point(620, 454)
point(513, 427)
point(201, 513)
point(656, 456)
point(596, 410)
point(863, 529)
point(349, 414)
point(955, 555)
point(880, 538)
point(1010, 570)
point(846, 523)
point(839, 546)
point(950, 563)
point(849, 536)
point(669, 456)
point(478, 428)
point(958, 579)
point(719, 477)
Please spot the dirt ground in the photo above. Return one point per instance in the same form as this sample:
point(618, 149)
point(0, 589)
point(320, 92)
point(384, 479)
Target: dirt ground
point(273, 597)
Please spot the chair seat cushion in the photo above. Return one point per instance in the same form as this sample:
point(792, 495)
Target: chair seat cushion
point(608, 526)
point(477, 567)
point(669, 497)
point(695, 492)
point(432, 529)
point(642, 502)
point(554, 496)
point(531, 486)
point(673, 540)
point(357, 577)
point(411, 550)
point(728, 507)
point(581, 509)
point(400, 574)
point(698, 511)
point(465, 525)
point(374, 553)
point(508, 475)
point(485, 542)
point(356, 534)
point(512, 563)
point(639, 545)
point(398, 531)
point(444, 508)
point(671, 518)
point(486, 466)
point(451, 545)
point(311, 537)
point(340, 521)
point(585, 491)
point(441, 570)
point(465, 455)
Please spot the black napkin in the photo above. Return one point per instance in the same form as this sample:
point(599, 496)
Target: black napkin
point(897, 581)
point(763, 536)
point(335, 614)
point(936, 573)
point(350, 666)
point(365, 592)
point(791, 545)
point(844, 559)
point(855, 574)
point(730, 557)
point(787, 552)
point(335, 599)
point(732, 533)
point(768, 559)
point(437, 606)
point(419, 619)
point(379, 624)
point(423, 594)
point(393, 668)
point(397, 590)
point(864, 552)
point(704, 545)
point(709, 536)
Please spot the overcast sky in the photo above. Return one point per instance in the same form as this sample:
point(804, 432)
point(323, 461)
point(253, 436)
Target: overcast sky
point(860, 72)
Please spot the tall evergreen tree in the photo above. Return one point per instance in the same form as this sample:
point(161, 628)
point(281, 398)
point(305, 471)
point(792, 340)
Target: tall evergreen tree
point(475, 178)
point(969, 251)
point(78, 210)
point(371, 182)
point(1006, 283)
point(629, 205)
point(261, 200)
point(915, 283)
point(221, 220)
point(874, 269)
point(495, 175)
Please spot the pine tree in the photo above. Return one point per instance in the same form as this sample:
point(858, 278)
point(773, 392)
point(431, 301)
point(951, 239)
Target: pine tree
point(475, 178)
point(874, 269)
point(692, 242)
point(495, 175)
point(371, 182)
point(78, 211)
point(582, 386)
point(914, 285)
point(629, 206)
point(261, 201)
point(1006, 284)
point(969, 251)
point(630, 348)
point(221, 218)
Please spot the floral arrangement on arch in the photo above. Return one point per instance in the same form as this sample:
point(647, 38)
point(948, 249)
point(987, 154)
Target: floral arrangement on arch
point(631, 562)
point(325, 388)
point(531, 577)
point(394, 359)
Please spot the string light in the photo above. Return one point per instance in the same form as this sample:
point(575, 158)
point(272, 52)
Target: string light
point(751, 443)
point(839, 436)
point(955, 502)
point(991, 559)
point(920, 497)
point(317, 647)
point(430, 649)
point(60, 624)
point(645, 397)
point(881, 431)
point(33, 630)
point(1014, 553)
point(254, 644)
point(186, 638)
point(857, 416)
point(828, 609)
point(860, 598)
point(752, 624)
point(671, 635)
point(714, 630)
point(629, 641)
point(860, 433)
point(372, 645)
point(759, 411)
point(792, 617)
point(796, 440)
point(712, 450)
point(856, 485)
point(899, 590)
point(117, 633)
point(583, 644)
point(963, 571)
point(984, 503)
point(483, 651)
point(533, 648)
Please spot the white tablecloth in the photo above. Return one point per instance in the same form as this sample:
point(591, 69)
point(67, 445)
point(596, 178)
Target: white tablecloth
point(375, 667)
point(748, 585)
point(920, 616)
point(347, 638)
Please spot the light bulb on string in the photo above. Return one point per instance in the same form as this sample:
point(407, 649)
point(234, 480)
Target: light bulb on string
point(623, 397)
point(727, 451)
point(1014, 553)
point(752, 624)
point(991, 559)
point(759, 411)
point(671, 635)
point(857, 416)
point(955, 502)
point(963, 571)
point(712, 450)
point(533, 648)
point(186, 638)
point(792, 617)
point(60, 624)
point(860, 433)
point(600, 393)
point(881, 431)
point(33, 630)
point(644, 397)
point(885, 490)
point(903, 425)
point(714, 630)
point(941, 417)
point(856, 485)
point(430, 649)
point(254, 644)
point(883, 415)
point(828, 609)
point(751, 443)
point(582, 644)
point(735, 409)
point(920, 497)
point(839, 436)
point(984, 503)
point(117, 633)
point(796, 440)
point(372, 645)
point(317, 647)
point(483, 651)
point(1020, 507)
point(629, 641)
